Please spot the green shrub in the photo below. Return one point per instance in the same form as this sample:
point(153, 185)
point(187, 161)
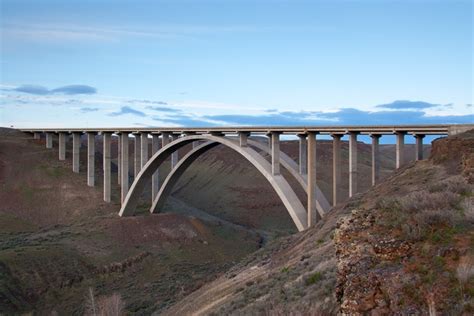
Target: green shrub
point(314, 278)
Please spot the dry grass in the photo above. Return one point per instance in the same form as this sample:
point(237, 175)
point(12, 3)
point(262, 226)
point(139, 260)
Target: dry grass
point(104, 306)
point(465, 269)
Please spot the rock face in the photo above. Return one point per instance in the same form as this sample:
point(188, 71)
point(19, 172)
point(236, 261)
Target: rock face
point(403, 250)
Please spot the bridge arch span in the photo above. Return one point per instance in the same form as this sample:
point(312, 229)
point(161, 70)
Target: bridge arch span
point(290, 200)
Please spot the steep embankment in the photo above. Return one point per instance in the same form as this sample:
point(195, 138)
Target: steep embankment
point(58, 239)
point(405, 246)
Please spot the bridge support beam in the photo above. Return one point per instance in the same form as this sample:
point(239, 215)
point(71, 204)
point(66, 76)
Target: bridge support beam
point(399, 160)
point(174, 155)
point(243, 138)
point(136, 153)
point(125, 165)
point(119, 159)
point(303, 154)
point(36, 135)
point(49, 140)
point(76, 147)
point(62, 145)
point(91, 159)
point(107, 165)
point(144, 149)
point(375, 158)
point(419, 147)
point(353, 173)
point(313, 215)
point(275, 153)
point(155, 180)
point(336, 167)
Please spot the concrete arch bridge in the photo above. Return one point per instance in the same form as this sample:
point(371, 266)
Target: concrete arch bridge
point(167, 141)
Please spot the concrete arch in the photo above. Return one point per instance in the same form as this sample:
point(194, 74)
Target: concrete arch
point(173, 177)
point(322, 204)
point(280, 185)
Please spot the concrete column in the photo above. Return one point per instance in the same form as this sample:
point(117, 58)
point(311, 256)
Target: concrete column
point(49, 140)
point(269, 135)
point(419, 147)
point(76, 146)
point(375, 158)
point(174, 155)
point(62, 146)
point(165, 139)
point(336, 166)
point(155, 182)
point(107, 157)
point(303, 154)
point(243, 137)
point(352, 163)
point(119, 158)
point(275, 153)
point(91, 159)
point(125, 165)
point(144, 149)
point(312, 213)
point(399, 149)
point(136, 154)
point(36, 136)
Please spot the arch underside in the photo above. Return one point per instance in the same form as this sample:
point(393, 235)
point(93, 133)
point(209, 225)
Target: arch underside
point(290, 200)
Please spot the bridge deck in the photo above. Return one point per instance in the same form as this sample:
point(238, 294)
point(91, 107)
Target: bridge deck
point(437, 129)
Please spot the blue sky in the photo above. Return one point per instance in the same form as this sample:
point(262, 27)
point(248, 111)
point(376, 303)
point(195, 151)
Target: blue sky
point(201, 63)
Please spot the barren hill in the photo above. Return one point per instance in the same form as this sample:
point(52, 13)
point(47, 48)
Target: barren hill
point(404, 247)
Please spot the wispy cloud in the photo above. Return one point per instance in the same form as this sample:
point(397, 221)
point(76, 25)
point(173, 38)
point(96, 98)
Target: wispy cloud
point(70, 90)
point(405, 104)
point(87, 110)
point(127, 110)
point(163, 109)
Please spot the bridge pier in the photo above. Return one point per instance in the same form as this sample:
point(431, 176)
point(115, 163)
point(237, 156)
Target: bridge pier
point(419, 146)
point(124, 165)
point(375, 158)
point(174, 155)
point(62, 145)
point(353, 173)
point(36, 135)
point(49, 140)
point(136, 154)
point(144, 149)
point(313, 215)
point(91, 159)
point(275, 153)
point(399, 159)
point(336, 167)
point(243, 138)
point(155, 182)
point(107, 165)
point(119, 159)
point(76, 147)
point(303, 154)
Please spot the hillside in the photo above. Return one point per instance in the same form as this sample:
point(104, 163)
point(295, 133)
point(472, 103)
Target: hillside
point(403, 247)
point(58, 239)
